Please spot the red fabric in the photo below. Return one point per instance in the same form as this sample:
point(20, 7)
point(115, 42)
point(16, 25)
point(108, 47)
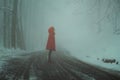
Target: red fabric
point(51, 39)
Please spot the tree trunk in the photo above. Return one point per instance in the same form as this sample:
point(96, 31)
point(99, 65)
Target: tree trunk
point(14, 25)
point(21, 41)
point(5, 27)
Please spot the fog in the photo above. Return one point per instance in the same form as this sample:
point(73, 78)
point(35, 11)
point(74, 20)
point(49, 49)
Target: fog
point(81, 26)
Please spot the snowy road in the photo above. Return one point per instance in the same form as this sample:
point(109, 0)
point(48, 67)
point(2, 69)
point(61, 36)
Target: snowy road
point(63, 67)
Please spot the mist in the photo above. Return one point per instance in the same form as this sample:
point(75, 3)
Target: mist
point(82, 27)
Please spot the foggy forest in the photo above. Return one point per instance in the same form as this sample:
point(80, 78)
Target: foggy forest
point(86, 32)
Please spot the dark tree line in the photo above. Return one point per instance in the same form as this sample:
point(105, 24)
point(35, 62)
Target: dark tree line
point(13, 36)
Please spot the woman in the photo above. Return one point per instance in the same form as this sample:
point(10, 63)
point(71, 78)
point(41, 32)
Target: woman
point(51, 42)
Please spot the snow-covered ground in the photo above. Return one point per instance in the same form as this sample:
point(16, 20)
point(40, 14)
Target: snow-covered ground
point(97, 60)
point(92, 59)
point(7, 54)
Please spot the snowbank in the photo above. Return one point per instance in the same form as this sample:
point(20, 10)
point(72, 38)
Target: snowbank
point(7, 54)
point(97, 60)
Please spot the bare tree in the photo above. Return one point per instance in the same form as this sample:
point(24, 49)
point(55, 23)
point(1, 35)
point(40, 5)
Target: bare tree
point(13, 36)
point(5, 26)
point(17, 37)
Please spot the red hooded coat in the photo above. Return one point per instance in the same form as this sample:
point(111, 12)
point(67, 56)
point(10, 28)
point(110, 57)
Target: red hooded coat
point(51, 39)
